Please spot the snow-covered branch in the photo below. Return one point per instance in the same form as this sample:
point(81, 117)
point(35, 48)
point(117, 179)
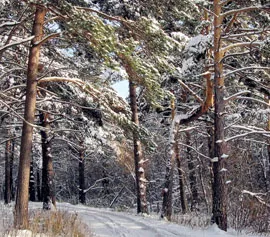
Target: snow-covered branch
point(229, 36)
point(234, 96)
point(97, 181)
point(9, 24)
point(104, 15)
point(21, 117)
point(264, 133)
point(68, 142)
point(187, 129)
point(16, 43)
point(250, 98)
point(241, 44)
point(245, 9)
point(48, 37)
point(246, 68)
point(192, 148)
point(257, 196)
point(191, 91)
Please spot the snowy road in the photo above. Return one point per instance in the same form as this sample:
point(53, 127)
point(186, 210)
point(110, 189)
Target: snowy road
point(105, 223)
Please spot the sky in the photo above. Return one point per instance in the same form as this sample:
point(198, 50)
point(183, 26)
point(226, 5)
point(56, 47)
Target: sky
point(122, 88)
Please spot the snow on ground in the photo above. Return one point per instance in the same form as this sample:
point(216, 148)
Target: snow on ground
point(109, 223)
point(105, 223)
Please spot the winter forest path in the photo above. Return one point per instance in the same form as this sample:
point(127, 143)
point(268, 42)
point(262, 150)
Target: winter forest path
point(108, 223)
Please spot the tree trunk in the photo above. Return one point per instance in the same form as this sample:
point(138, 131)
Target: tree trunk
point(192, 175)
point(48, 190)
point(219, 166)
point(21, 206)
point(211, 146)
point(183, 198)
point(32, 191)
point(138, 159)
point(268, 149)
point(81, 177)
point(39, 196)
point(8, 178)
point(168, 186)
point(11, 170)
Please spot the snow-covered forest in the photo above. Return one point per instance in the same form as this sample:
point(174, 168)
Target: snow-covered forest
point(190, 141)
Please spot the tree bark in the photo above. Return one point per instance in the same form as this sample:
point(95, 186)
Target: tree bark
point(11, 170)
point(168, 188)
point(39, 196)
point(81, 176)
point(8, 169)
point(219, 167)
point(48, 190)
point(211, 146)
point(32, 191)
point(21, 206)
point(183, 198)
point(138, 158)
point(192, 175)
point(167, 201)
point(268, 148)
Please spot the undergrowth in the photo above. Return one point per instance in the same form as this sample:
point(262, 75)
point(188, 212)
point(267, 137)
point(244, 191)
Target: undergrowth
point(53, 224)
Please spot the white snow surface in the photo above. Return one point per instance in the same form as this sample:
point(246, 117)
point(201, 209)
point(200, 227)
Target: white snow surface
point(108, 223)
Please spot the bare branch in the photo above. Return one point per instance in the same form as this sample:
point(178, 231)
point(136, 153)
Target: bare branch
point(250, 98)
point(16, 43)
point(264, 133)
point(257, 196)
point(248, 128)
point(246, 68)
point(91, 187)
point(119, 19)
point(187, 129)
point(9, 24)
point(255, 32)
point(245, 9)
point(183, 144)
point(191, 91)
point(241, 45)
point(48, 37)
point(234, 55)
point(234, 96)
point(10, 139)
point(21, 117)
point(229, 26)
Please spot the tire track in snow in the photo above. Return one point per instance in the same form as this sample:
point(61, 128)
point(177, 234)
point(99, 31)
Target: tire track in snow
point(107, 223)
point(114, 227)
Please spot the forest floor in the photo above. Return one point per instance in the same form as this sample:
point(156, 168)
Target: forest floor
point(110, 223)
